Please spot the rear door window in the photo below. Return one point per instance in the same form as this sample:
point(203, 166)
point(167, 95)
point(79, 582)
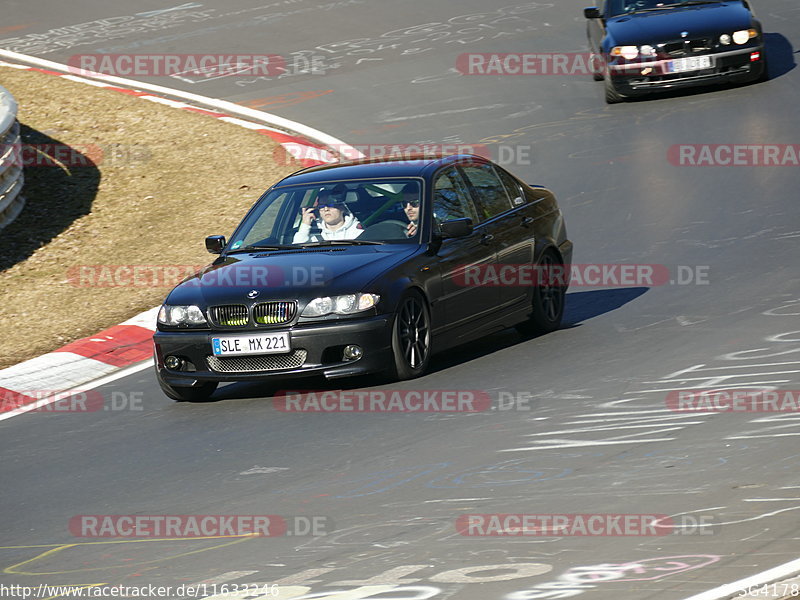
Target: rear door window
point(490, 193)
point(450, 197)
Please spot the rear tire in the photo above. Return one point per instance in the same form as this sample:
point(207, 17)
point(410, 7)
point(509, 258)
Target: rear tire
point(411, 337)
point(547, 308)
point(199, 393)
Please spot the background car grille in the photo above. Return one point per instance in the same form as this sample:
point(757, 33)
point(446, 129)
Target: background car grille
point(687, 47)
point(230, 315)
point(274, 313)
point(244, 364)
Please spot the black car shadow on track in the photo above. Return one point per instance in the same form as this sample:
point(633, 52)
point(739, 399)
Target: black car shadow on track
point(580, 307)
point(780, 55)
point(56, 194)
point(780, 60)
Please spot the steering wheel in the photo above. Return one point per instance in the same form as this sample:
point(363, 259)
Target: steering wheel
point(391, 229)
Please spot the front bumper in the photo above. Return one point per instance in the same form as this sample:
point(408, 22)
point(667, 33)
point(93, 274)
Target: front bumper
point(736, 66)
point(316, 350)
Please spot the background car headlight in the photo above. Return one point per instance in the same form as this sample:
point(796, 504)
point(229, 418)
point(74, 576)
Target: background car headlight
point(346, 304)
point(742, 36)
point(181, 315)
point(628, 52)
point(647, 50)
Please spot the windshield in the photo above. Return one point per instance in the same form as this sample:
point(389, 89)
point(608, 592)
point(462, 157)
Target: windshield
point(362, 212)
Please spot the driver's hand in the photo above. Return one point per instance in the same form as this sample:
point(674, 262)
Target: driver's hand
point(308, 216)
point(411, 229)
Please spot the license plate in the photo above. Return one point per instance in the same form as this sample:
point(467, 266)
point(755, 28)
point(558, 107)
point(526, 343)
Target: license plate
point(691, 63)
point(258, 343)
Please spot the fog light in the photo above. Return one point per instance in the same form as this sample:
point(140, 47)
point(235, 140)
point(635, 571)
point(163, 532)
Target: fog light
point(173, 362)
point(352, 352)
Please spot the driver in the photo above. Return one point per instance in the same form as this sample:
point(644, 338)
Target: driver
point(336, 222)
point(410, 202)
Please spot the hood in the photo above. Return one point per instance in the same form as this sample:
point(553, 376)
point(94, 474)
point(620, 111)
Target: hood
point(289, 274)
point(704, 20)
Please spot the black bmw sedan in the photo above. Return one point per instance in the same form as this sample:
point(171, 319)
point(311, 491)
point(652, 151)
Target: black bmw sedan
point(365, 267)
point(648, 45)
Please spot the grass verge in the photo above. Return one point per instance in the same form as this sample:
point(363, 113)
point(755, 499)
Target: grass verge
point(130, 182)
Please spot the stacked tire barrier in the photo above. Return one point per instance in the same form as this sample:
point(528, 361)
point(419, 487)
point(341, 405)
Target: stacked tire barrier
point(11, 176)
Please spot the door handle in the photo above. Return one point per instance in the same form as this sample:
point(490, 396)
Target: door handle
point(486, 238)
point(526, 221)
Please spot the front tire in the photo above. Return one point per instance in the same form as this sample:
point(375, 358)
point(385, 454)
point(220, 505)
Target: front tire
point(549, 293)
point(594, 61)
point(612, 95)
point(411, 337)
point(187, 394)
point(765, 73)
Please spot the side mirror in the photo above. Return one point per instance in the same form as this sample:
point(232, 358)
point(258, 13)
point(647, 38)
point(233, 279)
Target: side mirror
point(215, 244)
point(456, 228)
point(591, 13)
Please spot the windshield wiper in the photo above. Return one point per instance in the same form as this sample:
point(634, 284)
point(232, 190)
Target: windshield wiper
point(641, 10)
point(694, 2)
point(338, 243)
point(260, 247)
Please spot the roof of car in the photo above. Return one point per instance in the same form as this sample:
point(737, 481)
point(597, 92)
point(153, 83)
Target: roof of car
point(393, 166)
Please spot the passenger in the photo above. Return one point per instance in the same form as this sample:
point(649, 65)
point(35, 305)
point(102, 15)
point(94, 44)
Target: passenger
point(336, 222)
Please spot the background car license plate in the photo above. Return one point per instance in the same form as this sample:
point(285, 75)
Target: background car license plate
point(692, 63)
point(260, 343)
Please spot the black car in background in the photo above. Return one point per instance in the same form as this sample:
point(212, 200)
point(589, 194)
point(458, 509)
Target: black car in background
point(641, 46)
point(359, 267)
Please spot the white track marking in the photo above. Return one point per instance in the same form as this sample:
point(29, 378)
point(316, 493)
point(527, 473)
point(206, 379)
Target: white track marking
point(89, 386)
point(730, 589)
point(287, 125)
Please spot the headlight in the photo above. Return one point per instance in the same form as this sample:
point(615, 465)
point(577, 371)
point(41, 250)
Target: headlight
point(347, 304)
point(181, 315)
point(741, 37)
point(628, 52)
point(648, 50)
point(725, 39)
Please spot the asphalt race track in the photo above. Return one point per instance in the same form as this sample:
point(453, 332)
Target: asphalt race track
point(580, 422)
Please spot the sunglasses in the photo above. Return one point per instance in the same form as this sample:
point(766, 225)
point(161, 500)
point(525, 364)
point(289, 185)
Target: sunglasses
point(328, 205)
point(412, 203)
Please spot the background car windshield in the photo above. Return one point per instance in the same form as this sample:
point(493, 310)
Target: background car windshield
point(618, 7)
point(378, 210)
